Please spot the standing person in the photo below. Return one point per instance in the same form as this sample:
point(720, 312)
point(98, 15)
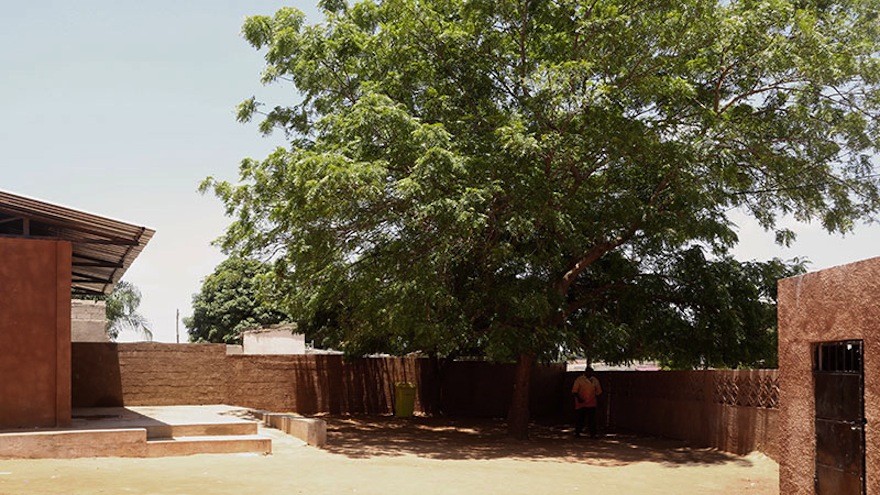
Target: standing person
point(585, 391)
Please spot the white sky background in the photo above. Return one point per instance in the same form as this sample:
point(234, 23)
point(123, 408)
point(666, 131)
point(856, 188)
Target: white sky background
point(121, 108)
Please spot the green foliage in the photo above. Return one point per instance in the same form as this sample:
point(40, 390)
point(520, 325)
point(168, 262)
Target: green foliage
point(689, 312)
point(230, 302)
point(121, 309)
point(518, 177)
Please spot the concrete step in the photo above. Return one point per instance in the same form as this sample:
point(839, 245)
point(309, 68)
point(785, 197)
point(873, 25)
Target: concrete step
point(166, 431)
point(313, 431)
point(222, 444)
point(70, 444)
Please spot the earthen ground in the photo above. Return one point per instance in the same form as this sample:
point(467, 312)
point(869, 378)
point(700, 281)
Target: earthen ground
point(382, 455)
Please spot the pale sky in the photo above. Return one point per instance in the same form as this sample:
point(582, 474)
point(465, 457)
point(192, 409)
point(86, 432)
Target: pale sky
point(121, 108)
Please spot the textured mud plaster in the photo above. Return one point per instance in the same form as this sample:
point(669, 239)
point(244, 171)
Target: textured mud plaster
point(839, 303)
point(34, 333)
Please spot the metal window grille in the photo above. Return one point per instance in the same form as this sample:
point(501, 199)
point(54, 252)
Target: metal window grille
point(838, 357)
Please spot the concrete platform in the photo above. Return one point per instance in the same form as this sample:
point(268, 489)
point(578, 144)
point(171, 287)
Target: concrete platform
point(169, 421)
point(141, 432)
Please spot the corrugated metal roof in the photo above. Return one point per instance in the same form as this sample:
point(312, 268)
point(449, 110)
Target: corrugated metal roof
point(103, 248)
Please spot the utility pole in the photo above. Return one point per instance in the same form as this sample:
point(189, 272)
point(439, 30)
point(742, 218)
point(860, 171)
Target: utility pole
point(177, 325)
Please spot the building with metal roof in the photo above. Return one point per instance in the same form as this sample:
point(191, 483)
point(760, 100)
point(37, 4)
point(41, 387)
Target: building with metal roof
point(47, 253)
point(103, 248)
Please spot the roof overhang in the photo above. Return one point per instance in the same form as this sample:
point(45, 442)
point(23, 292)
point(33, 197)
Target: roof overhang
point(103, 248)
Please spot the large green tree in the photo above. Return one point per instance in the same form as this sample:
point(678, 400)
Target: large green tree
point(500, 174)
point(230, 302)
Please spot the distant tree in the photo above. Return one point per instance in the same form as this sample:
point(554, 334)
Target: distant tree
point(512, 175)
point(230, 302)
point(122, 311)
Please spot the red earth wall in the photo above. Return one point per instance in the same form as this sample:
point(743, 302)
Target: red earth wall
point(34, 333)
point(733, 411)
point(839, 303)
point(109, 374)
point(730, 410)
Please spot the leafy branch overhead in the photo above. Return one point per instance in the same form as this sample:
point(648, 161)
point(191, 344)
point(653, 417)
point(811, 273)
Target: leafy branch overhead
point(499, 176)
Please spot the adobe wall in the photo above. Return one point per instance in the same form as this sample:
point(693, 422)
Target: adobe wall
point(729, 410)
point(839, 303)
point(88, 321)
point(138, 374)
point(111, 374)
point(135, 374)
point(482, 389)
point(35, 277)
point(321, 384)
point(733, 411)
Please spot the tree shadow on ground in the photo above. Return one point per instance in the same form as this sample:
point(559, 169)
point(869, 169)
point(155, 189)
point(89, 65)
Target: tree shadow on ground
point(485, 439)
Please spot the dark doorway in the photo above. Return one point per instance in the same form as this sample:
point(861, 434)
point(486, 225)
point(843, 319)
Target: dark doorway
point(840, 418)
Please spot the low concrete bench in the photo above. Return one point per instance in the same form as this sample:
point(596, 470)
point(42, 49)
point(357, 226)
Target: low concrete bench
point(310, 430)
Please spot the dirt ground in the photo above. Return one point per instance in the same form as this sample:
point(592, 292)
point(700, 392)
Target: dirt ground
point(421, 456)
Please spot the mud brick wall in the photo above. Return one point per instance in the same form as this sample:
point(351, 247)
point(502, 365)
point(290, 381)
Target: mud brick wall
point(482, 389)
point(109, 374)
point(324, 384)
point(734, 411)
point(88, 321)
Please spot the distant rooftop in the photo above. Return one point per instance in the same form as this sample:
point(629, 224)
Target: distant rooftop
point(103, 248)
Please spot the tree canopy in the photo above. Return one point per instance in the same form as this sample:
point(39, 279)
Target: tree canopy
point(691, 312)
point(519, 176)
point(229, 302)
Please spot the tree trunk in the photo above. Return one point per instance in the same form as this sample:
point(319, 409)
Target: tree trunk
point(518, 416)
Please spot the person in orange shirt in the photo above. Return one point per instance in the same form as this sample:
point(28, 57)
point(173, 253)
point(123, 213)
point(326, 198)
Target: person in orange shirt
point(585, 391)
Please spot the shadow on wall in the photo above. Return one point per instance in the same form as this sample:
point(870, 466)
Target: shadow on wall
point(91, 388)
point(329, 384)
point(483, 389)
point(309, 378)
point(109, 374)
point(364, 386)
point(743, 429)
point(735, 411)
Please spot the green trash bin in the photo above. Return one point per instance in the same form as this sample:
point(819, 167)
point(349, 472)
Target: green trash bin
point(404, 399)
